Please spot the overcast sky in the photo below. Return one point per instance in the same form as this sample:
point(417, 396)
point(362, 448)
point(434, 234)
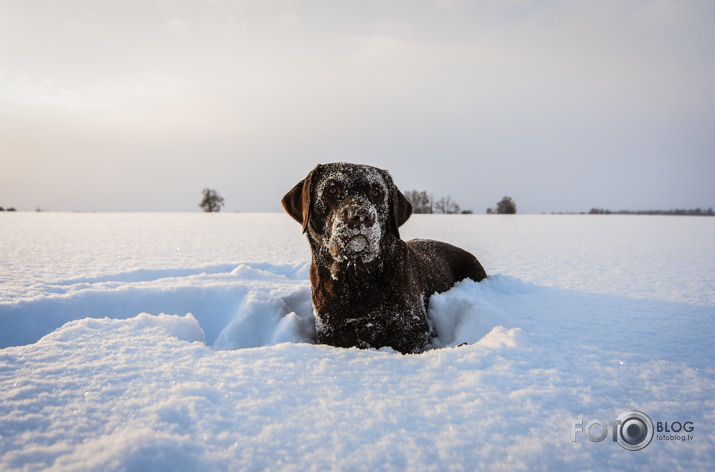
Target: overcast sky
point(563, 105)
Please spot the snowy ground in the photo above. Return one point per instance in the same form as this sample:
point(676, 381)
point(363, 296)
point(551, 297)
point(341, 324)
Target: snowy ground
point(582, 318)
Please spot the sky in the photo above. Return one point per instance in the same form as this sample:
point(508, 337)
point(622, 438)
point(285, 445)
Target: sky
point(562, 105)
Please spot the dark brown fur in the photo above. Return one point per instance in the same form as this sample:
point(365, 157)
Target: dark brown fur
point(370, 288)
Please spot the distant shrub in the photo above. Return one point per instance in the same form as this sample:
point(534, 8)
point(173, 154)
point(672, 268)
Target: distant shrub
point(506, 206)
point(212, 201)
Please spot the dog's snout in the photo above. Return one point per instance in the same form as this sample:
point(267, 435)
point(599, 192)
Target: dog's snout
point(359, 216)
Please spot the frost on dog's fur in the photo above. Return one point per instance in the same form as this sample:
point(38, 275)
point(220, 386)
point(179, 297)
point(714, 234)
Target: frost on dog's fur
point(345, 244)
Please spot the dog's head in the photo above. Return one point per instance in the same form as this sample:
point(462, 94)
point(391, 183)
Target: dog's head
point(348, 209)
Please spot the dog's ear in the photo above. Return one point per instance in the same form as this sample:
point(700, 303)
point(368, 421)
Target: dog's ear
point(297, 201)
point(401, 210)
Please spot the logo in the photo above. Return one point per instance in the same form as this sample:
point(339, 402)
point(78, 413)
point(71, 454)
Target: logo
point(633, 430)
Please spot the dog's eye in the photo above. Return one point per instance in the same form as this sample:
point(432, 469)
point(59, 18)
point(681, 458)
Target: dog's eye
point(375, 193)
point(333, 190)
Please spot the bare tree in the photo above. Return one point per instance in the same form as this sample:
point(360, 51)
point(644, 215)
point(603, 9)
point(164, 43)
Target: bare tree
point(425, 200)
point(420, 201)
point(212, 201)
point(414, 197)
point(452, 206)
point(440, 206)
point(446, 205)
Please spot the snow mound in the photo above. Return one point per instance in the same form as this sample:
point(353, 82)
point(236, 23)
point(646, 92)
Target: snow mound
point(461, 315)
point(185, 328)
point(500, 336)
point(217, 296)
point(267, 318)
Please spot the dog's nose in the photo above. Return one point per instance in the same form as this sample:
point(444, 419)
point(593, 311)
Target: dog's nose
point(358, 216)
point(360, 213)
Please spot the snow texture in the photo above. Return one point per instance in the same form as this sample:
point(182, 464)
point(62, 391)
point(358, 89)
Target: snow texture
point(184, 342)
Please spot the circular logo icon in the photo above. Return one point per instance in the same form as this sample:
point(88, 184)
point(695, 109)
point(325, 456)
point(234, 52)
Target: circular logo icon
point(635, 430)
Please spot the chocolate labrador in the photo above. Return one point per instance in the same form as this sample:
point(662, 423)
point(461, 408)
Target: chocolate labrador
point(370, 288)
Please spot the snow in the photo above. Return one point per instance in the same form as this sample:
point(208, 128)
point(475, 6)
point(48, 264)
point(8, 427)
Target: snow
point(183, 342)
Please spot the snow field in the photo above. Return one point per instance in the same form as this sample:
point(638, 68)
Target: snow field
point(96, 377)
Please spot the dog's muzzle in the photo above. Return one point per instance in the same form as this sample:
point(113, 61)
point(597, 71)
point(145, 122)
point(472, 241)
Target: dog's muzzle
point(355, 232)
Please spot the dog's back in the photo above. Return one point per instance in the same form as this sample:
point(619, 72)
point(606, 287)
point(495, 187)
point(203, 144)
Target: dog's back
point(441, 265)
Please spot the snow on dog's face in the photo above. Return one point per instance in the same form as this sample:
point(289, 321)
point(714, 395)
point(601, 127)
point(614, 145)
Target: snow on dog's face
point(354, 204)
point(347, 209)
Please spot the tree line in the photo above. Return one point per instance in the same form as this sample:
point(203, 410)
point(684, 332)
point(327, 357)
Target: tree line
point(679, 212)
point(425, 203)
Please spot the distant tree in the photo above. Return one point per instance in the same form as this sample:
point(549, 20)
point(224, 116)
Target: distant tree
point(446, 205)
point(421, 202)
point(440, 206)
point(414, 198)
point(451, 207)
point(409, 195)
point(506, 206)
point(212, 201)
point(2, 209)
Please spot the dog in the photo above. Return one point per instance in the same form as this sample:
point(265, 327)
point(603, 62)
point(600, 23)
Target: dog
point(370, 288)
